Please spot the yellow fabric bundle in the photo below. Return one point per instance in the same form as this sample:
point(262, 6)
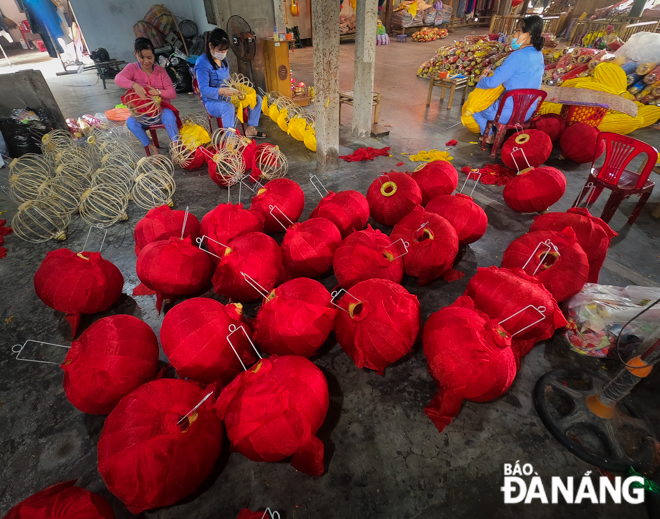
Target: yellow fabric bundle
point(310, 139)
point(249, 100)
point(430, 156)
point(478, 100)
point(620, 123)
point(273, 112)
point(297, 127)
point(264, 105)
point(194, 135)
point(600, 87)
point(576, 82)
point(282, 120)
point(650, 114)
point(611, 75)
point(550, 108)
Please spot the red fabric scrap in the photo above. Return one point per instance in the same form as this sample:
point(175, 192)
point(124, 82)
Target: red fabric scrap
point(452, 142)
point(366, 154)
point(399, 164)
point(491, 174)
point(4, 231)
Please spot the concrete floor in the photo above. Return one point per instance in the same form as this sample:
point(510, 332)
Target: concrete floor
point(384, 457)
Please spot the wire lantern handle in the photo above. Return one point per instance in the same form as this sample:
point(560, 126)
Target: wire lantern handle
point(550, 247)
point(254, 284)
point(524, 156)
point(105, 234)
point(233, 329)
point(406, 246)
point(337, 294)
point(539, 309)
point(477, 178)
point(272, 208)
point(316, 184)
point(183, 418)
point(18, 349)
point(200, 242)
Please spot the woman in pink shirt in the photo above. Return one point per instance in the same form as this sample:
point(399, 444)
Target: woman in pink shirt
point(147, 77)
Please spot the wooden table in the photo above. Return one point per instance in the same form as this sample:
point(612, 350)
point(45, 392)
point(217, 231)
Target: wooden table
point(452, 84)
point(347, 98)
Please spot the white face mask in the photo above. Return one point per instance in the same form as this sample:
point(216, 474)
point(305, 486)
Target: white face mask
point(220, 55)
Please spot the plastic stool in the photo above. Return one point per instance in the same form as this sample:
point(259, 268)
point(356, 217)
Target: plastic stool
point(402, 37)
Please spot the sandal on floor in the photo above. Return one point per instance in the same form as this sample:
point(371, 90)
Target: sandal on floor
point(259, 135)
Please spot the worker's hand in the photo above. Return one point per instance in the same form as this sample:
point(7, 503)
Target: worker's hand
point(154, 91)
point(485, 73)
point(139, 90)
point(226, 91)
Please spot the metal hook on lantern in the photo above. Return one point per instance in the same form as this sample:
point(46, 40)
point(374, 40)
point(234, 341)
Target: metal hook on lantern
point(547, 243)
point(233, 329)
point(271, 514)
point(272, 208)
point(250, 281)
point(18, 349)
point(514, 159)
point(405, 246)
point(589, 186)
point(185, 221)
point(314, 180)
point(539, 309)
point(336, 294)
point(182, 419)
point(200, 242)
point(381, 176)
point(95, 226)
point(477, 178)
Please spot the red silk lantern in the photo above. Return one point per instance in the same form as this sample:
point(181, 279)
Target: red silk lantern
point(593, 234)
point(267, 151)
point(62, 500)
point(284, 194)
point(392, 196)
point(469, 219)
point(198, 159)
point(173, 268)
point(296, 319)
point(246, 513)
point(147, 110)
point(348, 210)
point(436, 178)
point(308, 247)
point(255, 254)
point(578, 143)
point(469, 356)
point(378, 323)
point(161, 223)
point(501, 293)
point(226, 222)
point(534, 148)
point(249, 153)
point(112, 357)
point(365, 255)
point(194, 338)
point(273, 410)
point(76, 284)
point(563, 269)
point(534, 190)
point(551, 124)
point(149, 454)
point(433, 246)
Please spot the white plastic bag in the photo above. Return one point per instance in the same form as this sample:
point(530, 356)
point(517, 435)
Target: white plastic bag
point(642, 47)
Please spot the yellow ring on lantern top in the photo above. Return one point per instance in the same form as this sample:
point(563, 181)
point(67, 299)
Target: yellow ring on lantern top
point(388, 185)
point(522, 138)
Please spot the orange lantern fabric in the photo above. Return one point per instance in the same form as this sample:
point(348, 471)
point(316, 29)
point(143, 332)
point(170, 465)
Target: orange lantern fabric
point(295, 319)
point(469, 357)
point(563, 270)
point(436, 178)
point(112, 357)
point(226, 222)
point(149, 455)
point(433, 246)
point(77, 283)
point(255, 254)
point(348, 210)
point(63, 500)
point(377, 323)
point(194, 338)
point(173, 268)
point(533, 145)
point(308, 247)
point(578, 143)
point(273, 410)
point(365, 255)
point(552, 125)
point(534, 190)
point(284, 194)
point(593, 234)
point(501, 293)
point(468, 218)
point(161, 223)
point(392, 196)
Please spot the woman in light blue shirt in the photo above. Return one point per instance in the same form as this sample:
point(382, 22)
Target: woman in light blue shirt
point(212, 70)
point(523, 68)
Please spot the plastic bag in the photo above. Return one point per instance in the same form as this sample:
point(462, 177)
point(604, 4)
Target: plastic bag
point(641, 47)
point(597, 314)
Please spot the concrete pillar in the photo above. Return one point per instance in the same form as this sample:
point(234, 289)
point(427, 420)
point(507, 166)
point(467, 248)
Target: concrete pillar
point(325, 24)
point(278, 7)
point(365, 61)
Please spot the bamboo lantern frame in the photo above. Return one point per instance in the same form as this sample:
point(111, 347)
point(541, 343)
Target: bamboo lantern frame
point(103, 205)
point(38, 221)
point(229, 166)
point(153, 189)
point(182, 153)
point(229, 139)
point(149, 111)
point(56, 140)
point(271, 162)
point(26, 175)
point(65, 190)
point(118, 176)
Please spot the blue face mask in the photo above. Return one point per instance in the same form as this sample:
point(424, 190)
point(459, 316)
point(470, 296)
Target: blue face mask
point(515, 45)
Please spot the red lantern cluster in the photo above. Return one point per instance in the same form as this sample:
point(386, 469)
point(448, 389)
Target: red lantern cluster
point(273, 410)
point(552, 125)
point(377, 323)
point(308, 247)
point(112, 357)
point(469, 219)
point(530, 148)
point(82, 283)
point(348, 210)
point(392, 196)
point(436, 178)
point(469, 356)
point(534, 190)
point(287, 199)
point(226, 222)
point(161, 223)
point(578, 143)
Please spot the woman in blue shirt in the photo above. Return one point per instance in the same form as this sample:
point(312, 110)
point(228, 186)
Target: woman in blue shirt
point(212, 70)
point(523, 68)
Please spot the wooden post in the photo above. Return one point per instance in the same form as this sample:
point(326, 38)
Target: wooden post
point(365, 61)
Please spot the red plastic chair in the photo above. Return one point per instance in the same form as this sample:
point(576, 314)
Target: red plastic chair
point(619, 151)
point(523, 99)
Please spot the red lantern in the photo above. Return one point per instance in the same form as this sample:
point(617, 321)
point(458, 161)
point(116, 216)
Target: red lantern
point(378, 323)
point(249, 153)
point(505, 295)
point(63, 500)
point(469, 356)
point(561, 266)
point(551, 124)
point(150, 453)
point(533, 149)
point(161, 223)
point(268, 156)
point(112, 357)
point(194, 338)
point(469, 219)
point(578, 143)
point(436, 178)
point(173, 268)
point(198, 159)
point(392, 196)
point(255, 254)
point(593, 234)
point(348, 210)
point(226, 222)
point(433, 245)
point(246, 513)
point(365, 255)
point(534, 190)
point(288, 200)
point(147, 110)
point(308, 247)
point(296, 319)
point(76, 284)
point(273, 410)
